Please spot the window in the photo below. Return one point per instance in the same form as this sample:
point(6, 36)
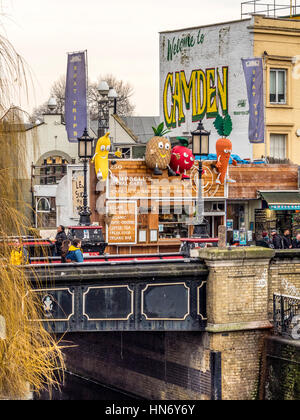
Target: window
point(53, 170)
point(277, 86)
point(278, 146)
point(45, 212)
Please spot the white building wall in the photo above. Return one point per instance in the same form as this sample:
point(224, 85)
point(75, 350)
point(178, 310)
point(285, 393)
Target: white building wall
point(47, 137)
point(223, 46)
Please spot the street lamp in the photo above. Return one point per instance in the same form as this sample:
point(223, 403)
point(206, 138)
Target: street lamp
point(52, 104)
point(85, 152)
point(108, 95)
point(200, 145)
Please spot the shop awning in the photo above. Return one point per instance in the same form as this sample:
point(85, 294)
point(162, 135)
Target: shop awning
point(282, 200)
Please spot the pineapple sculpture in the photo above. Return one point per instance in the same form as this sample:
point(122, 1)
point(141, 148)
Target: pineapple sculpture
point(158, 151)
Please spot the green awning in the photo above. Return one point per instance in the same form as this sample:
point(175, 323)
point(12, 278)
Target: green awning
point(282, 200)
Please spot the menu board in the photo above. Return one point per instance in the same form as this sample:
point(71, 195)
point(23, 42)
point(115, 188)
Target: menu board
point(122, 228)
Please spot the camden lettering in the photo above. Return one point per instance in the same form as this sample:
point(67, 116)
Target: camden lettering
point(206, 93)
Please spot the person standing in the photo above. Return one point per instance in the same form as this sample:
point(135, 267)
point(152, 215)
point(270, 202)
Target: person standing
point(276, 240)
point(19, 254)
point(264, 241)
point(60, 237)
point(287, 240)
point(75, 253)
point(296, 242)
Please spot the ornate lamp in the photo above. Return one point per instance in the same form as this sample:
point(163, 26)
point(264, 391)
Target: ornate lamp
point(200, 142)
point(85, 152)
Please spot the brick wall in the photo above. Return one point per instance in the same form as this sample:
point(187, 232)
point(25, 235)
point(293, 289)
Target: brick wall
point(152, 365)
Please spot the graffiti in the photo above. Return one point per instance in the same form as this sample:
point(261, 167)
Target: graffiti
point(185, 41)
point(206, 93)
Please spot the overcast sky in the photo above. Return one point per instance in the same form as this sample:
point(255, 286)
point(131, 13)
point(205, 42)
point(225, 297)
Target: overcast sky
point(121, 37)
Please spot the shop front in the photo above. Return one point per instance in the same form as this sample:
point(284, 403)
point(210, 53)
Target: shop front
point(143, 213)
point(281, 211)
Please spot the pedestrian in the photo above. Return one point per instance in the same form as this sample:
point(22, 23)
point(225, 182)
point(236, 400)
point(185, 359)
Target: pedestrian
point(296, 242)
point(19, 254)
point(64, 250)
point(75, 253)
point(264, 241)
point(60, 237)
point(287, 240)
point(276, 240)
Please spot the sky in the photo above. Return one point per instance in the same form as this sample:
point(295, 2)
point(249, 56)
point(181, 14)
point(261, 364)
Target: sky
point(120, 36)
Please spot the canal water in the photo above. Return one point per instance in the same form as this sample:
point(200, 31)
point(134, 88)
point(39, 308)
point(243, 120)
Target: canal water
point(79, 388)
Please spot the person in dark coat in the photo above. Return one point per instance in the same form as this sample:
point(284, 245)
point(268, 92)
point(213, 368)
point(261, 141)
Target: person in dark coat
point(287, 240)
point(296, 242)
point(276, 240)
point(60, 237)
point(264, 241)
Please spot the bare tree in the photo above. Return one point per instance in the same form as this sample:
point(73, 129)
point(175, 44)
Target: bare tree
point(124, 105)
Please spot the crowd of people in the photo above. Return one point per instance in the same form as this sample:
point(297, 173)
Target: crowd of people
point(276, 241)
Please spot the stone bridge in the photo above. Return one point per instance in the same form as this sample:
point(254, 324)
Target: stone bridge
point(194, 329)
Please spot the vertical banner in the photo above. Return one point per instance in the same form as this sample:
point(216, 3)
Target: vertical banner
point(253, 70)
point(76, 96)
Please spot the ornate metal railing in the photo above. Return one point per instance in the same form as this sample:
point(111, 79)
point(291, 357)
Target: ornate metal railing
point(286, 310)
point(270, 8)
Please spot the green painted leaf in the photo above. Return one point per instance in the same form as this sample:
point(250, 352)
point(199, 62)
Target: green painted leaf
point(219, 125)
point(227, 125)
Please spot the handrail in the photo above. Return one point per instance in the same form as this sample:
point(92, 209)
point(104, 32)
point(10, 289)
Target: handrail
point(286, 314)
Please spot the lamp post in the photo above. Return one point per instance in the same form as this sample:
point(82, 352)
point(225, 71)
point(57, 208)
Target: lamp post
point(85, 152)
point(200, 143)
point(108, 95)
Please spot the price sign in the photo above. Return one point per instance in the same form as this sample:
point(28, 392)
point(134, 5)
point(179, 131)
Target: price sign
point(122, 228)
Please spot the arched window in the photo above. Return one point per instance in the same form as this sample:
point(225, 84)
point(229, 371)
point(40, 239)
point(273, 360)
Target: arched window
point(45, 212)
point(43, 205)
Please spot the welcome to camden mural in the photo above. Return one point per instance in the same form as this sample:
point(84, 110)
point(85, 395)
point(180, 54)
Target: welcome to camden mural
point(204, 93)
point(201, 76)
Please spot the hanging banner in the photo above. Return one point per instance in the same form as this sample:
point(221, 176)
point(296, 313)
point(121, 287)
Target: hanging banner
point(76, 96)
point(253, 70)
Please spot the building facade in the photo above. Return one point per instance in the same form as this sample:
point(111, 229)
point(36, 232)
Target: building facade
point(201, 74)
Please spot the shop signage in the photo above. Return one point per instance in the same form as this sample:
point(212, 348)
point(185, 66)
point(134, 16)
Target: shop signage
point(132, 180)
point(253, 70)
point(285, 207)
point(229, 224)
point(122, 230)
point(77, 191)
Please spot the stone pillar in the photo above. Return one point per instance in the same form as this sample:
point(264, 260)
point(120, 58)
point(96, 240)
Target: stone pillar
point(237, 308)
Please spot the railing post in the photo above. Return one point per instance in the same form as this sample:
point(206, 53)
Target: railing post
point(282, 313)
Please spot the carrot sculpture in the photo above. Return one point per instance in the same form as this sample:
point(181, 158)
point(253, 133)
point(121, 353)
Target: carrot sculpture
point(223, 147)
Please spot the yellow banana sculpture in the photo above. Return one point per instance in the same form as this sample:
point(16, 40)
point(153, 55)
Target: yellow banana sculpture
point(101, 157)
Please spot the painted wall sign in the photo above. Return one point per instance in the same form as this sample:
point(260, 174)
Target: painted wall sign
point(205, 93)
point(201, 74)
point(76, 96)
point(123, 226)
point(178, 44)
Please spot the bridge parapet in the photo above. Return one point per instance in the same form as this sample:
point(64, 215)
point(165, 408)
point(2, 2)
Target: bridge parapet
point(162, 296)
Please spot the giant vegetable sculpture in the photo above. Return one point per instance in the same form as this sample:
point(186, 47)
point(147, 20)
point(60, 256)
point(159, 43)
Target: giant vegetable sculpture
point(158, 151)
point(182, 158)
point(223, 147)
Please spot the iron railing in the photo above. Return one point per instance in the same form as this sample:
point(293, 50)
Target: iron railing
point(286, 311)
point(270, 8)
